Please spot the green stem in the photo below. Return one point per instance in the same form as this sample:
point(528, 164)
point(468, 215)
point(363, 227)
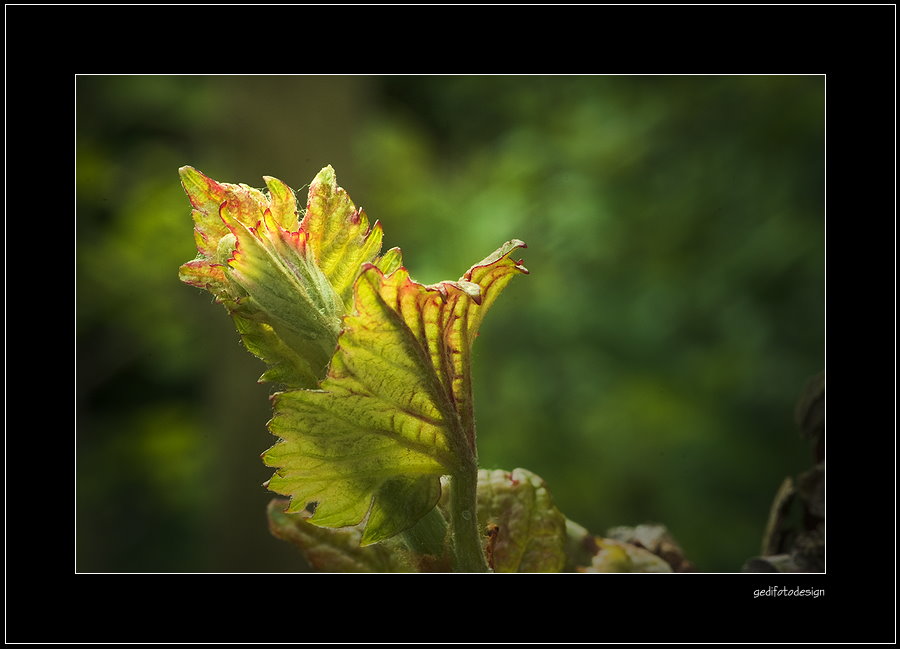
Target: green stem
point(429, 535)
point(467, 542)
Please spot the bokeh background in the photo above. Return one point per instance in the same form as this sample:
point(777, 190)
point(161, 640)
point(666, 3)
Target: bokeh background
point(647, 368)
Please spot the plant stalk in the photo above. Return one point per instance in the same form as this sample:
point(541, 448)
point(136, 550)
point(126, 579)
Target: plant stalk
point(429, 535)
point(467, 542)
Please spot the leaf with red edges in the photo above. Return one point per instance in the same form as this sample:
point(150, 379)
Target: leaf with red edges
point(395, 411)
point(284, 281)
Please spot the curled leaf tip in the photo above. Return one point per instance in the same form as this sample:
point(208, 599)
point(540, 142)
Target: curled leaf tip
point(189, 172)
point(325, 176)
point(390, 261)
point(498, 258)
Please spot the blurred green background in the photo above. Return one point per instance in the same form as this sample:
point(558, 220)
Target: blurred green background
point(647, 368)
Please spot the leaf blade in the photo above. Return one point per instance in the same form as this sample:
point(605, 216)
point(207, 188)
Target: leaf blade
point(387, 421)
point(339, 233)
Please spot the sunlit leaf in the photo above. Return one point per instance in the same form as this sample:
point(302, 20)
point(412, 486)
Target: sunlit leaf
point(395, 411)
point(285, 281)
point(338, 233)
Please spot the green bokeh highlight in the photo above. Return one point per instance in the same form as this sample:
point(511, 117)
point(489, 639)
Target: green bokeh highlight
point(646, 368)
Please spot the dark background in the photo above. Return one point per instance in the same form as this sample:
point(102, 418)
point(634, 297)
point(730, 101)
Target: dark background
point(647, 368)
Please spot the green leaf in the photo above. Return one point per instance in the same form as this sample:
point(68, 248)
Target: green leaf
point(395, 411)
point(206, 195)
point(284, 281)
point(526, 532)
point(390, 261)
point(338, 233)
point(329, 550)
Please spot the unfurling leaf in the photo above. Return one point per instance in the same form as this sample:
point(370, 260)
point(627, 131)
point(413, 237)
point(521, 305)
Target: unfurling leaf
point(285, 282)
point(394, 413)
point(524, 529)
